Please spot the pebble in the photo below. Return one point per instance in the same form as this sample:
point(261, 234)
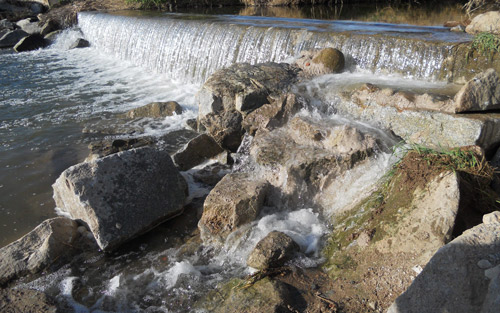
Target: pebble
point(492, 218)
point(484, 264)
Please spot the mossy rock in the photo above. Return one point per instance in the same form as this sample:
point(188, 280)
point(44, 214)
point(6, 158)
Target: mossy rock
point(331, 58)
point(265, 295)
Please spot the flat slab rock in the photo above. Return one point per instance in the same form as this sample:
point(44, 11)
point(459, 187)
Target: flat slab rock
point(122, 195)
point(435, 129)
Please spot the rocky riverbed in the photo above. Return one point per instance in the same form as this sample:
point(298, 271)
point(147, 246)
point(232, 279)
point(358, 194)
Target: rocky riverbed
point(422, 237)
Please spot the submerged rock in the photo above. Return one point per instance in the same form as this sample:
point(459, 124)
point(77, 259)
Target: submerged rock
point(156, 110)
point(122, 195)
point(325, 61)
point(234, 201)
point(479, 94)
point(486, 22)
point(272, 251)
point(79, 43)
point(452, 281)
point(26, 300)
point(31, 42)
point(53, 240)
point(11, 38)
point(196, 151)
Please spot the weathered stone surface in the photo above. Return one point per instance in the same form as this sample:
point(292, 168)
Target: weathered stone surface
point(212, 174)
point(272, 251)
point(263, 296)
point(231, 93)
point(12, 37)
point(307, 155)
point(486, 22)
point(107, 147)
point(243, 87)
point(452, 281)
point(25, 301)
point(479, 94)
point(402, 100)
point(274, 114)
point(29, 26)
point(48, 242)
point(156, 110)
point(429, 224)
point(196, 151)
point(234, 201)
point(122, 195)
point(325, 61)
point(492, 218)
point(80, 43)
point(434, 129)
point(225, 128)
point(31, 42)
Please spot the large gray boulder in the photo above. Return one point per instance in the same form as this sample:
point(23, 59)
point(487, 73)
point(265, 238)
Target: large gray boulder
point(480, 93)
point(461, 277)
point(12, 37)
point(434, 129)
point(51, 240)
point(243, 87)
point(486, 22)
point(236, 200)
point(272, 251)
point(122, 195)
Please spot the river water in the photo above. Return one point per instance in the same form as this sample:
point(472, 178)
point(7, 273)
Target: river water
point(55, 101)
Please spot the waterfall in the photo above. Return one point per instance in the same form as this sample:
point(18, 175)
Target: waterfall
point(190, 49)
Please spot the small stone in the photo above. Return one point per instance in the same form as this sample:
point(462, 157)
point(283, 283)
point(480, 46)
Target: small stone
point(274, 250)
point(155, 110)
point(484, 264)
point(492, 218)
point(80, 43)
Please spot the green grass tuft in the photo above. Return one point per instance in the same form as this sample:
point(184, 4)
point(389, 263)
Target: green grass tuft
point(486, 44)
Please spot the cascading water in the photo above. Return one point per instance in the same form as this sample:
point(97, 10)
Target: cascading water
point(191, 48)
point(152, 273)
